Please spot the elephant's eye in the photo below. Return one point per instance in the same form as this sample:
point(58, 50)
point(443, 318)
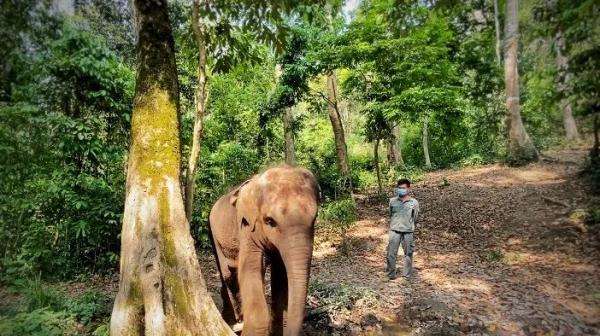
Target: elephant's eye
point(245, 222)
point(270, 221)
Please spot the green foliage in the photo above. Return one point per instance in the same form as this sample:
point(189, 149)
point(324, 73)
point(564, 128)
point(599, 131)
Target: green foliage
point(63, 135)
point(493, 255)
point(341, 212)
point(47, 310)
point(40, 322)
point(90, 307)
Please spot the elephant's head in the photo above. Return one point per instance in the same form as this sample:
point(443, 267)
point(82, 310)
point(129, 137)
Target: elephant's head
point(277, 211)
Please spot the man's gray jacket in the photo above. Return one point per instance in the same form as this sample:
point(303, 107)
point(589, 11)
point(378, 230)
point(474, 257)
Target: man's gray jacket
point(403, 214)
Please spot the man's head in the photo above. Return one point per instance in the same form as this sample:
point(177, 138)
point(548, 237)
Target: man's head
point(402, 187)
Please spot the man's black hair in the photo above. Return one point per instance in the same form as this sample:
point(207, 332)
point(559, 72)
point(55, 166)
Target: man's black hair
point(403, 181)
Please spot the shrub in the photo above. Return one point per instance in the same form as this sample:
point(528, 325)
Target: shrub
point(340, 213)
point(39, 322)
point(92, 306)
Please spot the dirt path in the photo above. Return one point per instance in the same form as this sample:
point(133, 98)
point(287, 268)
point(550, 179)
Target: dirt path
point(496, 253)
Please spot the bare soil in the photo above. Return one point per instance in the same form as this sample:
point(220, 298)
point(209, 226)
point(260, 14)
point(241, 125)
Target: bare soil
point(499, 251)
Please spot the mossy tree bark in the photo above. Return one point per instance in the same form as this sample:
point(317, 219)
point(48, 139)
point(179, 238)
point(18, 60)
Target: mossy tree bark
point(562, 63)
point(520, 147)
point(338, 130)
point(201, 99)
point(161, 288)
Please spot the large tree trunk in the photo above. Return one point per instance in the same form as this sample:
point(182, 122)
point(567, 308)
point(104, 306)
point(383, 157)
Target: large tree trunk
point(201, 98)
point(338, 129)
point(161, 288)
point(562, 64)
point(290, 155)
point(520, 147)
point(426, 142)
point(394, 152)
point(497, 26)
point(377, 167)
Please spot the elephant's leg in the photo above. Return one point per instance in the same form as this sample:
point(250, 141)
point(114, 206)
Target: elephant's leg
point(254, 303)
point(279, 294)
point(229, 300)
point(231, 306)
point(232, 290)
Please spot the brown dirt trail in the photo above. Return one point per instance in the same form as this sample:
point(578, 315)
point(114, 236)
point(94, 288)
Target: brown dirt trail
point(499, 251)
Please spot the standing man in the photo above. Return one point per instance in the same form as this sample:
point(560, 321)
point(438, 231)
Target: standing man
point(404, 211)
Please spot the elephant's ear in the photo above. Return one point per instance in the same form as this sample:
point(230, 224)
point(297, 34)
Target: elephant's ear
point(236, 193)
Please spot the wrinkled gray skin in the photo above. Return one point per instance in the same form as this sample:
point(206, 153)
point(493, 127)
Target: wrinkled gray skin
point(271, 215)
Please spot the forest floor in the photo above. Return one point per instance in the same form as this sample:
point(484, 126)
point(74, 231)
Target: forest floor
point(499, 251)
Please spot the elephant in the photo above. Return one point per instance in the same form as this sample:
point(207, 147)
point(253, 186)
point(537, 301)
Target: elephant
point(270, 215)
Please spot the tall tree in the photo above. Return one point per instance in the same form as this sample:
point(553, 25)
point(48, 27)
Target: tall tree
point(200, 100)
point(221, 34)
point(562, 63)
point(290, 152)
point(338, 129)
point(520, 148)
point(425, 142)
point(497, 31)
point(161, 288)
point(333, 107)
point(288, 118)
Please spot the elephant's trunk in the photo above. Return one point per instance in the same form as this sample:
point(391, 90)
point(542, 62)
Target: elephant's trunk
point(297, 264)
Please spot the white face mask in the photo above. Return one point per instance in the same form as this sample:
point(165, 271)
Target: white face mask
point(401, 192)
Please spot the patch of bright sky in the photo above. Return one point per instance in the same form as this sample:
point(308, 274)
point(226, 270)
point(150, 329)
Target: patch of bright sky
point(348, 10)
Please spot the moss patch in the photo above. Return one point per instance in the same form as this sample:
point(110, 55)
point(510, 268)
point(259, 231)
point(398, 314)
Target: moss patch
point(155, 151)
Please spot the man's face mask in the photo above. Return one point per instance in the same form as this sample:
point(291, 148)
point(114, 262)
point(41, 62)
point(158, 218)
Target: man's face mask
point(401, 192)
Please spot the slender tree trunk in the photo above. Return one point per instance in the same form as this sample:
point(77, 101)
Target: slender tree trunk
point(391, 151)
point(398, 135)
point(290, 155)
point(377, 167)
point(201, 98)
point(393, 148)
point(161, 288)
point(426, 142)
point(562, 64)
point(497, 26)
point(338, 129)
point(520, 147)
